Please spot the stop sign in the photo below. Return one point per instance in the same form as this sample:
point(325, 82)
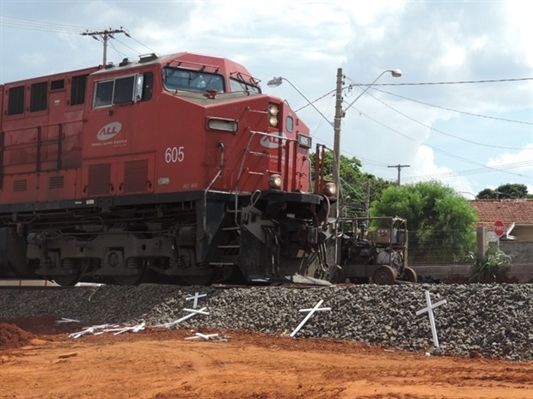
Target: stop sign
point(499, 228)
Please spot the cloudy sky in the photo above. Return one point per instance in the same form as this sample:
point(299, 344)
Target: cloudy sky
point(461, 113)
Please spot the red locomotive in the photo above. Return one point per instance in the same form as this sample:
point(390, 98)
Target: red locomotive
point(172, 169)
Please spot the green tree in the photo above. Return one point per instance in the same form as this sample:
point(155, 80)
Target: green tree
point(505, 191)
point(441, 222)
point(487, 193)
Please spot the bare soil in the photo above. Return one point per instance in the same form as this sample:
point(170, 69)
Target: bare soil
point(39, 360)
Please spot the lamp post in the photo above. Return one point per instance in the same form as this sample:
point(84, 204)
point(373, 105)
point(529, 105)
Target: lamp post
point(339, 114)
point(468, 192)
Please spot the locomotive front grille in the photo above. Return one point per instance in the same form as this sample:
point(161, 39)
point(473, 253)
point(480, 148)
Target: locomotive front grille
point(99, 179)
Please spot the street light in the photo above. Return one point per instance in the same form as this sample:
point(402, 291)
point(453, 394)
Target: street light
point(468, 192)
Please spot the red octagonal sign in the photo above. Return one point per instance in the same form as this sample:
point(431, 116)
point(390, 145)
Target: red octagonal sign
point(499, 228)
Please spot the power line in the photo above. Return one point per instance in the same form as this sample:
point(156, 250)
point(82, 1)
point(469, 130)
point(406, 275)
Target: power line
point(483, 169)
point(434, 148)
point(20, 23)
point(424, 103)
point(468, 172)
point(454, 110)
point(460, 82)
point(444, 133)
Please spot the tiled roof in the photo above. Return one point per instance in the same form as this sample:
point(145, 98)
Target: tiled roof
point(519, 211)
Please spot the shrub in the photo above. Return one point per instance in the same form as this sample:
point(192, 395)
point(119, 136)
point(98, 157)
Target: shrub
point(487, 268)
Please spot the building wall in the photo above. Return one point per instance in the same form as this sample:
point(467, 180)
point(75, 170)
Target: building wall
point(523, 233)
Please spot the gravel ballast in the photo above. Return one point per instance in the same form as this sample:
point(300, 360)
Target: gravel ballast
point(491, 319)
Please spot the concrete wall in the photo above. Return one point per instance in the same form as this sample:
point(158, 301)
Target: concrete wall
point(460, 273)
point(521, 250)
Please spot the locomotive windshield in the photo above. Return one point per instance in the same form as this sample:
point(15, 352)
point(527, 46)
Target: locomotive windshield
point(186, 79)
point(239, 85)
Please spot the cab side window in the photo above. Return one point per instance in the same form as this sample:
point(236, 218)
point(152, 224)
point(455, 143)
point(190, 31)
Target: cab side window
point(104, 94)
point(123, 90)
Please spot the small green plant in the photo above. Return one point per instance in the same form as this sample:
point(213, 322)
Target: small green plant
point(486, 268)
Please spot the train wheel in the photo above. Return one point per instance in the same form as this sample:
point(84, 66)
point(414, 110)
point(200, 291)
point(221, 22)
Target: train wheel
point(384, 275)
point(410, 275)
point(197, 280)
point(68, 280)
point(133, 264)
point(336, 275)
point(134, 279)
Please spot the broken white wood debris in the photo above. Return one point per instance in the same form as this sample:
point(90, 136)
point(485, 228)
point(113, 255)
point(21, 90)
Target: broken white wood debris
point(429, 310)
point(192, 312)
point(121, 330)
point(65, 320)
point(195, 298)
point(91, 330)
point(105, 328)
point(317, 308)
point(203, 336)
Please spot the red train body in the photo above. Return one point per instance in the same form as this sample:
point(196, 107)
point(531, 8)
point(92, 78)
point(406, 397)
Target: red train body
point(168, 169)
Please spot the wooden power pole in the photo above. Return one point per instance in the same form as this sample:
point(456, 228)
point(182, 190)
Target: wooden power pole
point(104, 35)
point(399, 167)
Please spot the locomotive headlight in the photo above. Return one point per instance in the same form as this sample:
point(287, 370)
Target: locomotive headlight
point(273, 109)
point(275, 181)
point(330, 189)
point(273, 112)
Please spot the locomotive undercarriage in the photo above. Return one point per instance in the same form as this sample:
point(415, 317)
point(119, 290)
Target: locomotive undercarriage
point(201, 241)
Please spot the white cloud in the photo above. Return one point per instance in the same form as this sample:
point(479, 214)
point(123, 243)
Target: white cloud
point(520, 160)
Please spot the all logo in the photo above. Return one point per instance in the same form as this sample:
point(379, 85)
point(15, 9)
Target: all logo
point(109, 131)
point(273, 142)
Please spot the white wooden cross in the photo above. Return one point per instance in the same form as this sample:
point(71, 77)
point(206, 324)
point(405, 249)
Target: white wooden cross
point(192, 312)
point(429, 310)
point(195, 298)
point(311, 311)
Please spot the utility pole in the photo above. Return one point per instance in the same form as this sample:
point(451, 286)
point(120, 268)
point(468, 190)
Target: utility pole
point(367, 199)
point(339, 113)
point(399, 167)
point(105, 35)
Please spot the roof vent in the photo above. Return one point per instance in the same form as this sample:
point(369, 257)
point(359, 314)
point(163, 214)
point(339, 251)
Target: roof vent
point(147, 57)
point(124, 62)
point(109, 65)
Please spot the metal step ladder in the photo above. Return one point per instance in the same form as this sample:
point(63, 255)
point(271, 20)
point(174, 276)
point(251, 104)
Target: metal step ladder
point(230, 250)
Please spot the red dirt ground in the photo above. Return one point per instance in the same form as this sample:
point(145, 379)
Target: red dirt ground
point(39, 360)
